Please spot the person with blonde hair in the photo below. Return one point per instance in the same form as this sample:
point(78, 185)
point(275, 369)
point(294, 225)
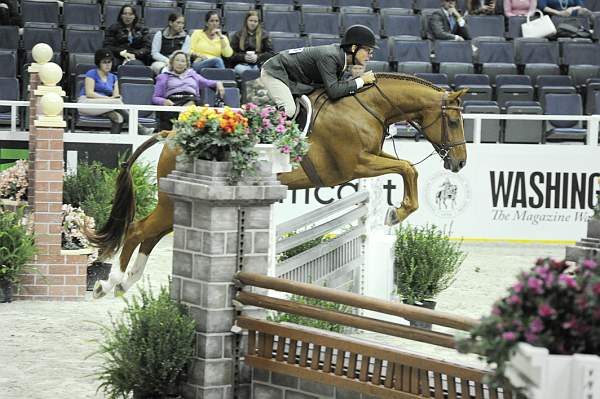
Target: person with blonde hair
point(180, 85)
point(210, 45)
point(251, 45)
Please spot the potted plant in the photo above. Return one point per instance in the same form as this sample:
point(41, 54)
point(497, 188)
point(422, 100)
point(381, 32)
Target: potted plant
point(593, 228)
point(551, 306)
point(229, 135)
point(425, 264)
point(146, 350)
point(17, 247)
point(14, 183)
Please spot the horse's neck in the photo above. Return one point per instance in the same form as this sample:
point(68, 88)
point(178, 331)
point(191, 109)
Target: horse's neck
point(408, 97)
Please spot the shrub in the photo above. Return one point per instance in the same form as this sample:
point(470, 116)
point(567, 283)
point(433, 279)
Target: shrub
point(17, 245)
point(146, 350)
point(425, 262)
point(14, 181)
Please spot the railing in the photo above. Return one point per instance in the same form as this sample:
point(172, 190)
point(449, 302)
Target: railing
point(353, 364)
point(592, 121)
point(340, 258)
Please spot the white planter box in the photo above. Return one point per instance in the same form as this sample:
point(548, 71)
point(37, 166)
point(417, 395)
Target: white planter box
point(268, 153)
point(546, 376)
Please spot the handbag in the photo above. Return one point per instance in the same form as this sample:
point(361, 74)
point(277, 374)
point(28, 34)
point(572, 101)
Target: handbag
point(180, 99)
point(540, 27)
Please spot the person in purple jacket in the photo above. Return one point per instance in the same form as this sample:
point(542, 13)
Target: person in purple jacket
point(180, 85)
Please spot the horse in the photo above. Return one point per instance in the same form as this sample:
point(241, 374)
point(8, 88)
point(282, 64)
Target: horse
point(447, 192)
point(346, 143)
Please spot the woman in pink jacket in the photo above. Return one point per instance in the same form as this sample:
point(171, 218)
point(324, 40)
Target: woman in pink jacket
point(514, 8)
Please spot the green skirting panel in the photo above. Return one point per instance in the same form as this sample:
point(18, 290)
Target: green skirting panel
point(8, 156)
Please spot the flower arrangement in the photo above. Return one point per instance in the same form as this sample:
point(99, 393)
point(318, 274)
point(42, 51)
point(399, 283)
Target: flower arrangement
point(14, 182)
point(230, 135)
point(549, 306)
point(272, 127)
point(74, 223)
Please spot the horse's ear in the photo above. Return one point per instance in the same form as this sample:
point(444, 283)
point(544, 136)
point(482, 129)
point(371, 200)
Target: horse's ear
point(457, 94)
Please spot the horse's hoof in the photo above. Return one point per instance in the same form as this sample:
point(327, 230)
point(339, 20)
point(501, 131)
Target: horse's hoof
point(98, 291)
point(119, 290)
point(391, 217)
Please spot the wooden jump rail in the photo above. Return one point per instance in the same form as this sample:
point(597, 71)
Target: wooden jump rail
point(354, 364)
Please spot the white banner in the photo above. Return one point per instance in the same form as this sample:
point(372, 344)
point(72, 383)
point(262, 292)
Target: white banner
point(506, 192)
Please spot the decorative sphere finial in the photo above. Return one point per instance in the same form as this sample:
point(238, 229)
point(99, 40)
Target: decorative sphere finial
point(42, 53)
point(50, 74)
point(52, 104)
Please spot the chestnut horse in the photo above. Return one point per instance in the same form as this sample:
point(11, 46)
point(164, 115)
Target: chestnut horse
point(345, 144)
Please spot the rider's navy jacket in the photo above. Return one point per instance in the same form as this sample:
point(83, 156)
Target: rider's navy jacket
point(308, 68)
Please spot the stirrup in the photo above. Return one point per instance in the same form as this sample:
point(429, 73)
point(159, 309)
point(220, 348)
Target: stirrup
point(304, 101)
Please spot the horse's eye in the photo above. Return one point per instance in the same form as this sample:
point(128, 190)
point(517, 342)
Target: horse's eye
point(453, 123)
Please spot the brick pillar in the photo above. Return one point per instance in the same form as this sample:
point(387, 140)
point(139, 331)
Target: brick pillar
point(219, 230)
point(55, 276)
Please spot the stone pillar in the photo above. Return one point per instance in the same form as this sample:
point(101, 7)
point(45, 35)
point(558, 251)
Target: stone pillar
point(55, 276)
point(219, 230)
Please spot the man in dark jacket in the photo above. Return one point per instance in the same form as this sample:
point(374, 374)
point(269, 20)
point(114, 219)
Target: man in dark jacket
point(447, 23)
point(302, 70)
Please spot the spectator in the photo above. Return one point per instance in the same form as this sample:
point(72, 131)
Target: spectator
point(180, 85)
point(447, 23)
point(251, 45)
point(127, 39)
point(513, 8)
point(167, 41)
point(210, 44)
point(482, 7)
point(564, 8)
point(9, 13)
point(101, 87)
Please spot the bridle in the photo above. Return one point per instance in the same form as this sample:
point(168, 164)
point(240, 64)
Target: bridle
point(443, 148)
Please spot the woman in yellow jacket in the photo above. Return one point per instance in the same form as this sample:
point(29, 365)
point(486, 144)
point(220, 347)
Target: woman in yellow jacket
point(210, 44)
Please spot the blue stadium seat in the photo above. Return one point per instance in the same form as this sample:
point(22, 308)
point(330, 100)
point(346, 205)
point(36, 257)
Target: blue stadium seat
point(523, 131)
point(383, 4)
point(496, 58)
point(438, 79)
point(8, 60)
point(514, 27)
point(135, 71)
point(423, 4)
point(453, 57)
point(513, 88)
point(354, 3)
point(397, 24)
point(233, 15)
point(231, 98)
point(9, 91)
point(317, 39)
point(563, 104)
point(140, 94)
point(286, 2)
point(478, 85)
point(195, 11)
point(281, 18)
point(553, 84)
point(360, 15)
point(583, 61)
point(320, 20)
point(156, 13)
point(538, 58)
point(412, 56)
point(40, 11)
point(576, 21)
point(226, 76)
point(485, 25)
point(286, 41)
point(82, 12)
point(83, 39)
point(9, 37)
point(490, 128)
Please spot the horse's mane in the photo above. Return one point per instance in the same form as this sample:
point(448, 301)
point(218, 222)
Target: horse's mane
point(409, 78)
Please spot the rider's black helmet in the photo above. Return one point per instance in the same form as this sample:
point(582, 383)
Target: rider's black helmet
point(360, 35)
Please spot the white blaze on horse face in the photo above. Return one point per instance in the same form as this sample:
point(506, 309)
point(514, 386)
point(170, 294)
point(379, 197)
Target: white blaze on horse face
point(135, 273)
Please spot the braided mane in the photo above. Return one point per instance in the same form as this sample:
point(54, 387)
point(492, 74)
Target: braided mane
point(409, 78)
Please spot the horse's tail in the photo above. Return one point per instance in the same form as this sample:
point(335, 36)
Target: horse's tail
point(109, 238)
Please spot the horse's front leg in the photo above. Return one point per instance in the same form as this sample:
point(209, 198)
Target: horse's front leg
point(370, 165)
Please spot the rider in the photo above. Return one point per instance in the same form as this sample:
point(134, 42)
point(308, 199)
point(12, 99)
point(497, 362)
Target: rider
point(301, 70)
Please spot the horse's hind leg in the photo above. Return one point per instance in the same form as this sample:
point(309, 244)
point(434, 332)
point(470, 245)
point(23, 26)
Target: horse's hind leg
point(296, 179)
point(135, 272)
point(370, 165)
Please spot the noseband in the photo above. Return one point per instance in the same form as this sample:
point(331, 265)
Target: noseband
point(443, 148)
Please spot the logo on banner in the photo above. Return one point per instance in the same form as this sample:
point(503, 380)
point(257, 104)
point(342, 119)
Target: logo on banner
point(447, 194)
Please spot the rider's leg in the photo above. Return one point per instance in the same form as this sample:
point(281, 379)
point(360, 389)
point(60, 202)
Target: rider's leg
point(280, 93)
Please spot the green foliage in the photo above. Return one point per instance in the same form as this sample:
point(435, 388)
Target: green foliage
point(425, 262)
point(290, 253)
point(146, 349)
point(17, 246)
point(93, 188)
point(307, 321)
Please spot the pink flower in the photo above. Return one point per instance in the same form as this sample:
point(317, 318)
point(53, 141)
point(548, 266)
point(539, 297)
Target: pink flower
point(496, 311)
point(546, 310)
point(518, 287)
point(536, 326)
point(265, 112)
point(596, 288)
point(266, 122)
point(535, 284)
point(509, 336)
point(542, 270)
point(251, 106)
point(530, 337)
point(285, 149)
point(589, 264)
point(280, 129)
point(549, 280)
point(568, 281)
point(513, 300)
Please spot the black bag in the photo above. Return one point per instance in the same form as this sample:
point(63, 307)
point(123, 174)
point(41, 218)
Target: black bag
point(180, 99)
point(571, 31)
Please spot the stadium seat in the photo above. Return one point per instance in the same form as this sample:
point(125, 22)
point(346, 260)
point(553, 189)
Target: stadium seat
point(583, 61)
point(317, 39)
point(9, 91)
point(377, 66)
point(9, 37)
point(478, 85)
point(514, 27)
point(82, 12)
point(523, 131)
point(553, 84)
point(281, 18)
point(401, 24)
point(40, 11)
point(513, 88)
point(140, 94)
point(354, 3)
point(360, 15)
point(453, 57)
point(563, 104)
point(412, 56)
point(592, 86)
point(83, 39)
point(283, 41)
point(233, 15)
point(195, 12)
point(496, 58)
point(538, 58)
point(320, 20)
point(79, 120)
point(423, 4)
point(384, 4)
point(226, 76)
point(269, 2)
point(490, 128)
point(156, 13)
point(485, 25)
point(438, 79)
point(232, 97)
point(8, 60)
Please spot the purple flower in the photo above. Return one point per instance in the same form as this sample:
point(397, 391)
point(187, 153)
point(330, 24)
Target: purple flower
point(542, 270)
point(546, 310)
point(535, 284)
point(568, 281)
point(280, 129)
point(496, 311)
point(513, 300)
point(596, 288)
point(250, 106)
point(265, 112)
point(509, 336)
point(536, 326)
point(266, 122)
point(589, 264)
point(530, 337)
point(518, 287)
point(285, 149)
point(549, 280)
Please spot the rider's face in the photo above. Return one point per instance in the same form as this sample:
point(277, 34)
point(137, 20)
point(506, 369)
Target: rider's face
point(363, 55)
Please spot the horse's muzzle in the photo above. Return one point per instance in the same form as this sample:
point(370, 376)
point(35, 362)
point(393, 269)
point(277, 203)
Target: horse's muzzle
point(454, 165)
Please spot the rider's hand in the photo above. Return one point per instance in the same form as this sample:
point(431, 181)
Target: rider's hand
point(368, 77)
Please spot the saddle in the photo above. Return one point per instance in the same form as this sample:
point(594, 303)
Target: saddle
point(304, 115)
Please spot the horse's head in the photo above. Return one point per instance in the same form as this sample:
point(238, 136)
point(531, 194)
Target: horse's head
point(443, 127)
